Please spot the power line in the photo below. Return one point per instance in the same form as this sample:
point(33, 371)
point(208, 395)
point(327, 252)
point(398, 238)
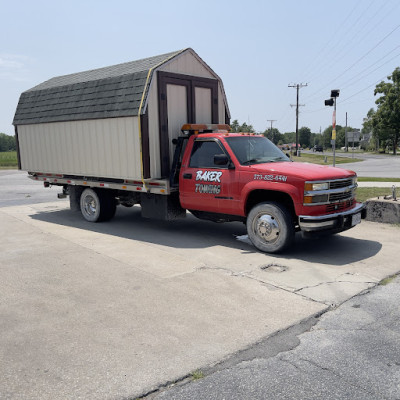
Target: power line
point(362, 77)
point(355, 63)
point(344, 52)
point(369, 51)
point(369, 73)
point(355, 94)
point(345, 34)
point(326, 48)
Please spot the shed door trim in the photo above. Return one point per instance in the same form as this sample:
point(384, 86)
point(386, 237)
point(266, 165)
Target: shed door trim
point(190, 82)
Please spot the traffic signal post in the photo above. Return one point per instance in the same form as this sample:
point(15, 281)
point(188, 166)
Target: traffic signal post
point(332, 102)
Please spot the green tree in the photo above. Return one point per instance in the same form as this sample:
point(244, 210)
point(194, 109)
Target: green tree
point(305, 136)
point(7, 143)
point(315, 139)
point(386, 120)
point(340, 136)
point(368, 127)
point(289, 137)
point(236, 127)
point(326, 137)
point(273, 135)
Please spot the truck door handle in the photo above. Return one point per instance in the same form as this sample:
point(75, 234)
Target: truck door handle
point(187, 176)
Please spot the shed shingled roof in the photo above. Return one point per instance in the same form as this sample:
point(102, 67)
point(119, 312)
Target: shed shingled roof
point(114, 91)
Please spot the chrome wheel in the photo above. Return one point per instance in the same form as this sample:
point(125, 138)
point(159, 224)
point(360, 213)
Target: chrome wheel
point(90, 205)
point(266, 227)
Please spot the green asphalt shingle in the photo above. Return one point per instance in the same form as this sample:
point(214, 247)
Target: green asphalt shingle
point(114, 91)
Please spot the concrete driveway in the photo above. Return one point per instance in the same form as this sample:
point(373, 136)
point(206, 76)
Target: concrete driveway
point(114, 310)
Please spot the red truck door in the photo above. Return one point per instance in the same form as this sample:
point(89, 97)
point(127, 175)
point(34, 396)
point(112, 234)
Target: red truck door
point(205, 185)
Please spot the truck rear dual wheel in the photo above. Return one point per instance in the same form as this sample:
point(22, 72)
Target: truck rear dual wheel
point(270, 227)
point(97, 205)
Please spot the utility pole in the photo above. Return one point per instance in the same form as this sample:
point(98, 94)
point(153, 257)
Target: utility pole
point(346, 142)
point(297, 105)
point(272, 134)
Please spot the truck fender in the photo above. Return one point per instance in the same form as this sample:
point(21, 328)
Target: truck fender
point(278, 187)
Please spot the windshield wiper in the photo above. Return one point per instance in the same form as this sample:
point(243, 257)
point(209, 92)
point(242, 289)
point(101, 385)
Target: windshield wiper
point(260, 160)
point(277, 159)
point(252, 161)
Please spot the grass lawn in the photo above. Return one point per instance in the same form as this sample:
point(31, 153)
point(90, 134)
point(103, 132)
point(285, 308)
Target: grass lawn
point(372, 179)
point(320, 159)
point(8, 159)
point(366, 193)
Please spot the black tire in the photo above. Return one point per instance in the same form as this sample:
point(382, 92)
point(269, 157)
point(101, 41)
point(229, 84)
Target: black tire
point(270, 227)
point(75, 193)
point(97, 205)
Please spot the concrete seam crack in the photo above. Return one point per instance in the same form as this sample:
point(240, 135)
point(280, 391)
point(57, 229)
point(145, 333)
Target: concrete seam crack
point(249, 276)
point(331, 282)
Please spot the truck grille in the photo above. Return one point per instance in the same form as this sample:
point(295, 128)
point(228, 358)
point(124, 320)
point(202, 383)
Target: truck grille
point(339, 206)
point(340, 196)
point(342, 183)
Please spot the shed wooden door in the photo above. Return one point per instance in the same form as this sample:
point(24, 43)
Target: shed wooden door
point(183, 99)
point(177, 112)
point(203, 105)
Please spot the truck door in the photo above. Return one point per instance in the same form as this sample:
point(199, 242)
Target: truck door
point(205, 186)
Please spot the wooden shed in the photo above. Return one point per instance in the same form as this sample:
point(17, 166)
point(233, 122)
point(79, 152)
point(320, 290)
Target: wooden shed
point(118, 121)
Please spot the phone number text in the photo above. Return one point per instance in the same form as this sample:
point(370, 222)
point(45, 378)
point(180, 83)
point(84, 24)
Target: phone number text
point(278, 178)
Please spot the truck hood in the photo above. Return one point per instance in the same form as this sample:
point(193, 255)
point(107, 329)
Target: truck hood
point(304, 171)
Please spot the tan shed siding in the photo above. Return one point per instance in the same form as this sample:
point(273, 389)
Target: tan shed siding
point(187, 64)
point(154, 136)
point(105, 147)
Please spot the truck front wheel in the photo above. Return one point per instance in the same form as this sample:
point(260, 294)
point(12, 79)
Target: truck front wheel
point(97, 205)
point(270, 227)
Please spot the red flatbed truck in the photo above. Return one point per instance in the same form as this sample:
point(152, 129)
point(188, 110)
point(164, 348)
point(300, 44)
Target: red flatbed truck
point(222, 176)
point(112, 136)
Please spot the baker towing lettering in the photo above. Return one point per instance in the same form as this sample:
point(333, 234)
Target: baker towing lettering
point(208, 176)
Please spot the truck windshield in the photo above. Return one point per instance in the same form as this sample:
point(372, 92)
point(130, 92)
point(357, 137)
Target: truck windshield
point(251, 150)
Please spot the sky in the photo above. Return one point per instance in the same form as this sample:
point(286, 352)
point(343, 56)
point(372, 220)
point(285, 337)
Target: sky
point(258, 48)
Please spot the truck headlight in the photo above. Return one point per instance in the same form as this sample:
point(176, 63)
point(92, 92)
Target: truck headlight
point(309, 186)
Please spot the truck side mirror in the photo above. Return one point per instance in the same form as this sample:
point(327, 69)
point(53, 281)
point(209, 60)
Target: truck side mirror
point(221, 159)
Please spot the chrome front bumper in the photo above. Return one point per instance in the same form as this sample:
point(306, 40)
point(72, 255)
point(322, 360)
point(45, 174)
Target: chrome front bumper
point(337, 222)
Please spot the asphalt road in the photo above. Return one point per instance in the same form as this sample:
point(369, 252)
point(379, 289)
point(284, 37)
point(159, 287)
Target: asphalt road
point(352, 353)
point(17, 189)
point(374, 165)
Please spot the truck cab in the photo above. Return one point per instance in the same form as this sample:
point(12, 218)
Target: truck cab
point(243, 176)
